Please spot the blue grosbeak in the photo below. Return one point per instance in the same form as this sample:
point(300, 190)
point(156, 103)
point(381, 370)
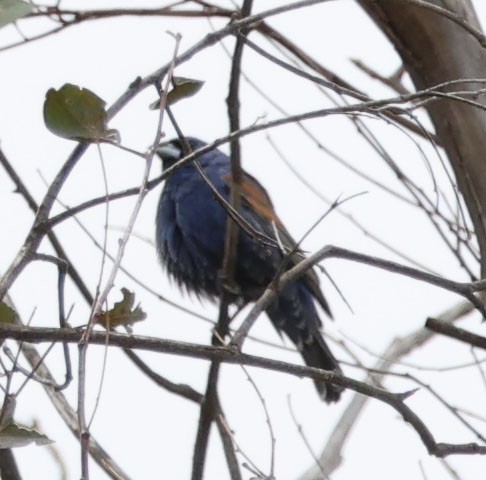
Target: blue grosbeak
point(190, 233)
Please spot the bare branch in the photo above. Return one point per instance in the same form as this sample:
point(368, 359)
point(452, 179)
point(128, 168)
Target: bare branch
point(331, 455)
point(211, 401)
point(453, 16)
point(456, 332)
point(66, 412)
point(229, 355)
point(8, 465)
point(465, 289)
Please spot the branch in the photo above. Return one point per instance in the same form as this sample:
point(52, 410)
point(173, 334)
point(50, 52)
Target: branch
point(64, 409)
point(184, 391)
point(68, 414)
point(189, 393)
point(371, 106)
point(430, 57)
point(37, 232)
point(310, 62)
point(460, 334)
point(393, 81)
point(47, 380)
point(211, 11)
point(38, 229)
point(8, 465)
point(232, 356)
point(452, 16)
point(60, 252)
point(465, 289)
point(331, 456)
point(71, 212)
point(228, 443)
point(84, 15)
point(211, 402)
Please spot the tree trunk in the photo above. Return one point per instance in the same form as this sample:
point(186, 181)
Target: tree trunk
point(434, 49)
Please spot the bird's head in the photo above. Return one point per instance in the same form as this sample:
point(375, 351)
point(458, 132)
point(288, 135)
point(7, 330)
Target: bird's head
point(172, 151)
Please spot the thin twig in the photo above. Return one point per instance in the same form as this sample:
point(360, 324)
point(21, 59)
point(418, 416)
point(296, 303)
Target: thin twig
point(477, 362)
point(304, 438)
point(347, 215)
point(62, 267)
point(393, 81)
point(271, 432)
point(184, 391)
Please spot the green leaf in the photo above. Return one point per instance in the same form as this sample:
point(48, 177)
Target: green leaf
point(123, 312)
point(77, 114)
point(7, 315)
point(14, 435)
point(184, 88)
point(11, 10)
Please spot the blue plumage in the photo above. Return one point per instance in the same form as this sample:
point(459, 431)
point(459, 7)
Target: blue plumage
point(191, 226)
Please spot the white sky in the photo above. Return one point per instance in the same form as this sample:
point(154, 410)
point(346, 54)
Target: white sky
point(148, 431)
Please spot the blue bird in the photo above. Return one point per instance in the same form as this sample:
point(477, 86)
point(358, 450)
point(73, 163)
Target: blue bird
point(190, 233)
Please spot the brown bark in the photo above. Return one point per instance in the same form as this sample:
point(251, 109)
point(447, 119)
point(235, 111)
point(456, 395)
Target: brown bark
point(434, 49)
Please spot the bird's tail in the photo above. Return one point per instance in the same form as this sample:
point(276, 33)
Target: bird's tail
point(295, 314)
point(317, 354)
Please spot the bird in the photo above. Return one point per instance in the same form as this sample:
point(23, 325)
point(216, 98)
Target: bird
point(190, 238)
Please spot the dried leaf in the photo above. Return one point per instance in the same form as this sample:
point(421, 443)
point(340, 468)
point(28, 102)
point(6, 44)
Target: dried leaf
point(14, 435)
point(7, 315)
point(123, 312)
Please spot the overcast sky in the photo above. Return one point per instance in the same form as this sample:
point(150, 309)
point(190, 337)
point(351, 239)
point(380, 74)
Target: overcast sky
point(148, 431)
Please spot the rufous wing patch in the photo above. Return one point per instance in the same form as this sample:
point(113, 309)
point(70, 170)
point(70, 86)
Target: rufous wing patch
point(257, 197)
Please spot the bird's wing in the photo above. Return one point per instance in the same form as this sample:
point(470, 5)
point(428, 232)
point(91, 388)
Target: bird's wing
point(260, 210)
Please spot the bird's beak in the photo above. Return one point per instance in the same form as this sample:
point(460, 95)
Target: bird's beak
point(168, 153)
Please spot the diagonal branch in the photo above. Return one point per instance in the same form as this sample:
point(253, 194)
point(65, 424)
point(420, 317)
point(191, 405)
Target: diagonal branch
point(457, 333)
point(66, 412)
point(331, 455)
point(465, 289)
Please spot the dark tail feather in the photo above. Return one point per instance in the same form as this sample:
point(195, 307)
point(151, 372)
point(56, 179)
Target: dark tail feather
point(317, 354)
point(294, 313)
